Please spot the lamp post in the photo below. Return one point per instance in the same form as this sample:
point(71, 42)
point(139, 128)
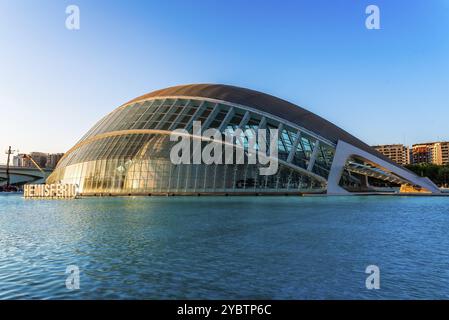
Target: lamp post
point(8, 152)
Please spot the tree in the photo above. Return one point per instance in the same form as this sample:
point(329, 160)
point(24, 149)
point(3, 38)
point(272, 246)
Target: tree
point(438, 174)
point(443, 174)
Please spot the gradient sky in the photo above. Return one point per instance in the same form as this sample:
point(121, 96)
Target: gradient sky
point(384, 86)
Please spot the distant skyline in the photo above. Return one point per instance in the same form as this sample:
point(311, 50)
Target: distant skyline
point(384, 86)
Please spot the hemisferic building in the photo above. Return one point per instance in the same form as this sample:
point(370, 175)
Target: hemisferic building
point(127, 152)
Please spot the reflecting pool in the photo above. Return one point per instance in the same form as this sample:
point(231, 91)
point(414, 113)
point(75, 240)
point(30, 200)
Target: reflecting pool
point(225, 247)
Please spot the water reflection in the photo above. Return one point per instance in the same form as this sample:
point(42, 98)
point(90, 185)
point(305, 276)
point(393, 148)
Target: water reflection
point(224, 247)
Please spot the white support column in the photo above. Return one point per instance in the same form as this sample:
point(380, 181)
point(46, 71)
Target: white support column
point(345, 150)
point(280, 136)
point(155, 114)
point(149, 105)
point(314, 155)
point(211, 117)
point(338, 164)
point(262, 123)
point(244, 120)
point(226, 120)
point(279, 128)
point(197, 113)
point(167, 115)
point(294, 147)
point(180, 116)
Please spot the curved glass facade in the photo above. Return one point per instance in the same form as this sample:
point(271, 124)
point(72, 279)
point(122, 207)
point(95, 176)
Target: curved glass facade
point(128, 152)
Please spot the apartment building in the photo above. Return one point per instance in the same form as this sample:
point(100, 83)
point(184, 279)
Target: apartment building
point(396, 152)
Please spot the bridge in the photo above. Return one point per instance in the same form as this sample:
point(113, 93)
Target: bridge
point(20, 175)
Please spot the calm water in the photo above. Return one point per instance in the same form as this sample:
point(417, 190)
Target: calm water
point(224, 247)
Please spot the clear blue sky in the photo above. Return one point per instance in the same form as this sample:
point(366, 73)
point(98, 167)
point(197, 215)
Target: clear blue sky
point(384, 86)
